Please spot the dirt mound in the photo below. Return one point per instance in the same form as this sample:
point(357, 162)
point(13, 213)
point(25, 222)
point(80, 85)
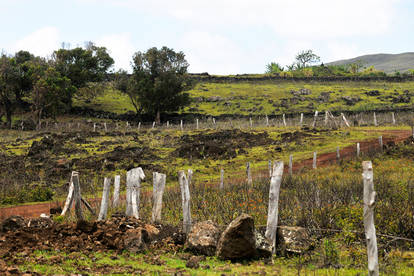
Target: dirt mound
point(224, 144)
point(117, 233)
point(12, 223)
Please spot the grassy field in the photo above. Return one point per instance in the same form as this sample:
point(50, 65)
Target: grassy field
point(275, 98)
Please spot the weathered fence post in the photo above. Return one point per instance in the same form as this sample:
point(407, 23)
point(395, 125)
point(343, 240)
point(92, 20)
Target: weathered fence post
point(190, 177)
point(78, 126)
point(338, 156)
point(94, 127)
point(270, 168)
point(393, 118)
point(375, 120)
point(105, 199)
point(357, 150)
point(133, 179)
point(117, 186)
point(314, 160)
point(158, 191)
point(369, 202)
point(251, 122)
point(326, 118)
point(345, 120)
point(196, 123)
point(301, 119)
point(284, 119)
point(105, 127)
point(214, 121)
point(290, 165)
point(221, 179)
point(153, 125)
point(267, 120)
point(168, 124)
point(380, 142)
point(77, 196)
point(273, 209)
point(181, 125)
point(139, 125)
point(69, 198)
point(185, 196)
point(249, 175)
point(315, 117)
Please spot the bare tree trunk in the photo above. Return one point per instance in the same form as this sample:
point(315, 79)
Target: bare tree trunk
point(369, 202)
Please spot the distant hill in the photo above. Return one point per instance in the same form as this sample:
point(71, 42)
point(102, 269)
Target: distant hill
point(389, 63)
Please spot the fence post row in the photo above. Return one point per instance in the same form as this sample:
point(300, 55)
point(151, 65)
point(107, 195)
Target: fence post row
point(105, 199)
point(185, 196)
point(134, 178)
point(157, 193)
point(273, 211)
point(369, 202)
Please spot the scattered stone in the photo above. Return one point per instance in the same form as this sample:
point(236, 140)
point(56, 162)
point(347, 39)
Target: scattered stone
point(351, 100)
point(12, 223)
point(264, 246)
point(194, 261)
point(237, 242)
point(373, 93)
point(203, 238)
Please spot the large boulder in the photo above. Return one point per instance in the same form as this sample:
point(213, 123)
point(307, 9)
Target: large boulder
point(238, 240)
point(203, 238)
point(292, 240)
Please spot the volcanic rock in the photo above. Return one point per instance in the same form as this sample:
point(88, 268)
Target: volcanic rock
point(203, 238)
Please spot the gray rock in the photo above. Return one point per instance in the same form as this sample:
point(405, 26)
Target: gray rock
point(203, 238)
point(264, 246)
point(292, 240)
point(238, 241)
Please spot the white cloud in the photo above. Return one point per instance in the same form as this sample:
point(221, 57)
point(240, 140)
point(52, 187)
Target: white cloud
point(120, 48)
point(212, 53)
point(41, 42)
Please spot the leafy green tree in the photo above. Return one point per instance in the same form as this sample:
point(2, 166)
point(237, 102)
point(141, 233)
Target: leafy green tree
point(355, 67)
point(306, 58)
point(82, 66)
point(9, 85)
point(273, 68)
point(158, 81)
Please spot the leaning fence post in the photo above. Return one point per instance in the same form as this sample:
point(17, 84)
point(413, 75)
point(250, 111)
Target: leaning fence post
point(221, 179)
point(314, 160)
point(185, 196)
point(77, 196)
point(369, 202)
point(272, 214)
point(375, 120)
point(69, 199)
point(117, 186)
point(290, 165)
point(158, 191)
point(133, 180)
point(284, 120)
point(153, 125)
point(249, 175)
point(105, 199)
point(345, 120)
point(393, 118)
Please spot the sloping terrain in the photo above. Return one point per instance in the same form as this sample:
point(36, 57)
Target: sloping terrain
point(389, 63)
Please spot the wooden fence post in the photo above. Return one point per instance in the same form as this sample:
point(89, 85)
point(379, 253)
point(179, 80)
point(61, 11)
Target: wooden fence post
point(139, 125)
point(185, 196)
point(290, 165)
point(380, 142)
point(393, 118)
point(153, 125)
point(105, 127)
point(249, 175)
point(133, 179)
point(117, 186)
point(190, 177)
point(326, 118)
point(77, 196)
point(345, 120)
point(375, 120)
point(284, 119)
point(270, 168)
point(214, 121)
point(273, 209)
point(267, 120)
point(157, 193)
point(314, 160)
point(301, 119)
point(251, 122)
point(338, 156)
point(168, 124)
point(221, 179)
point(94, 127)
point(69, 198)
point(314, 118)
point(181, 125)
point(369, 202)
point(357, 150)
point(105, 199)
point(196, 123)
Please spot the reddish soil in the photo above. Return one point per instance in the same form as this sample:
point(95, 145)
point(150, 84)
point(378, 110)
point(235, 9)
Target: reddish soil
point(390, 137)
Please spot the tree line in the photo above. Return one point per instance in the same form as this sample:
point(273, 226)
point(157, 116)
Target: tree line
point(46, 86)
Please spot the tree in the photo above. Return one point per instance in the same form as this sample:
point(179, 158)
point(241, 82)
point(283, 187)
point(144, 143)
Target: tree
point(355, 66)
point(158, 81)
point(82, 66)
point(306, 58)
point(274, 67)
point(9, 85)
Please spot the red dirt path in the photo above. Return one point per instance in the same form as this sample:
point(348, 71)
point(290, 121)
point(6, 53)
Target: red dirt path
point(389, 137)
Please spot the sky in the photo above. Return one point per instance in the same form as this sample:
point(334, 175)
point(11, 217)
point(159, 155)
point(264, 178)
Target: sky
point(217, 36)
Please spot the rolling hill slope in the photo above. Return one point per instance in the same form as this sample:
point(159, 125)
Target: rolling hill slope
point(388, 63)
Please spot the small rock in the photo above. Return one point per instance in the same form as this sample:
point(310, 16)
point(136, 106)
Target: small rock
point(203, 238)
point(238, 240)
